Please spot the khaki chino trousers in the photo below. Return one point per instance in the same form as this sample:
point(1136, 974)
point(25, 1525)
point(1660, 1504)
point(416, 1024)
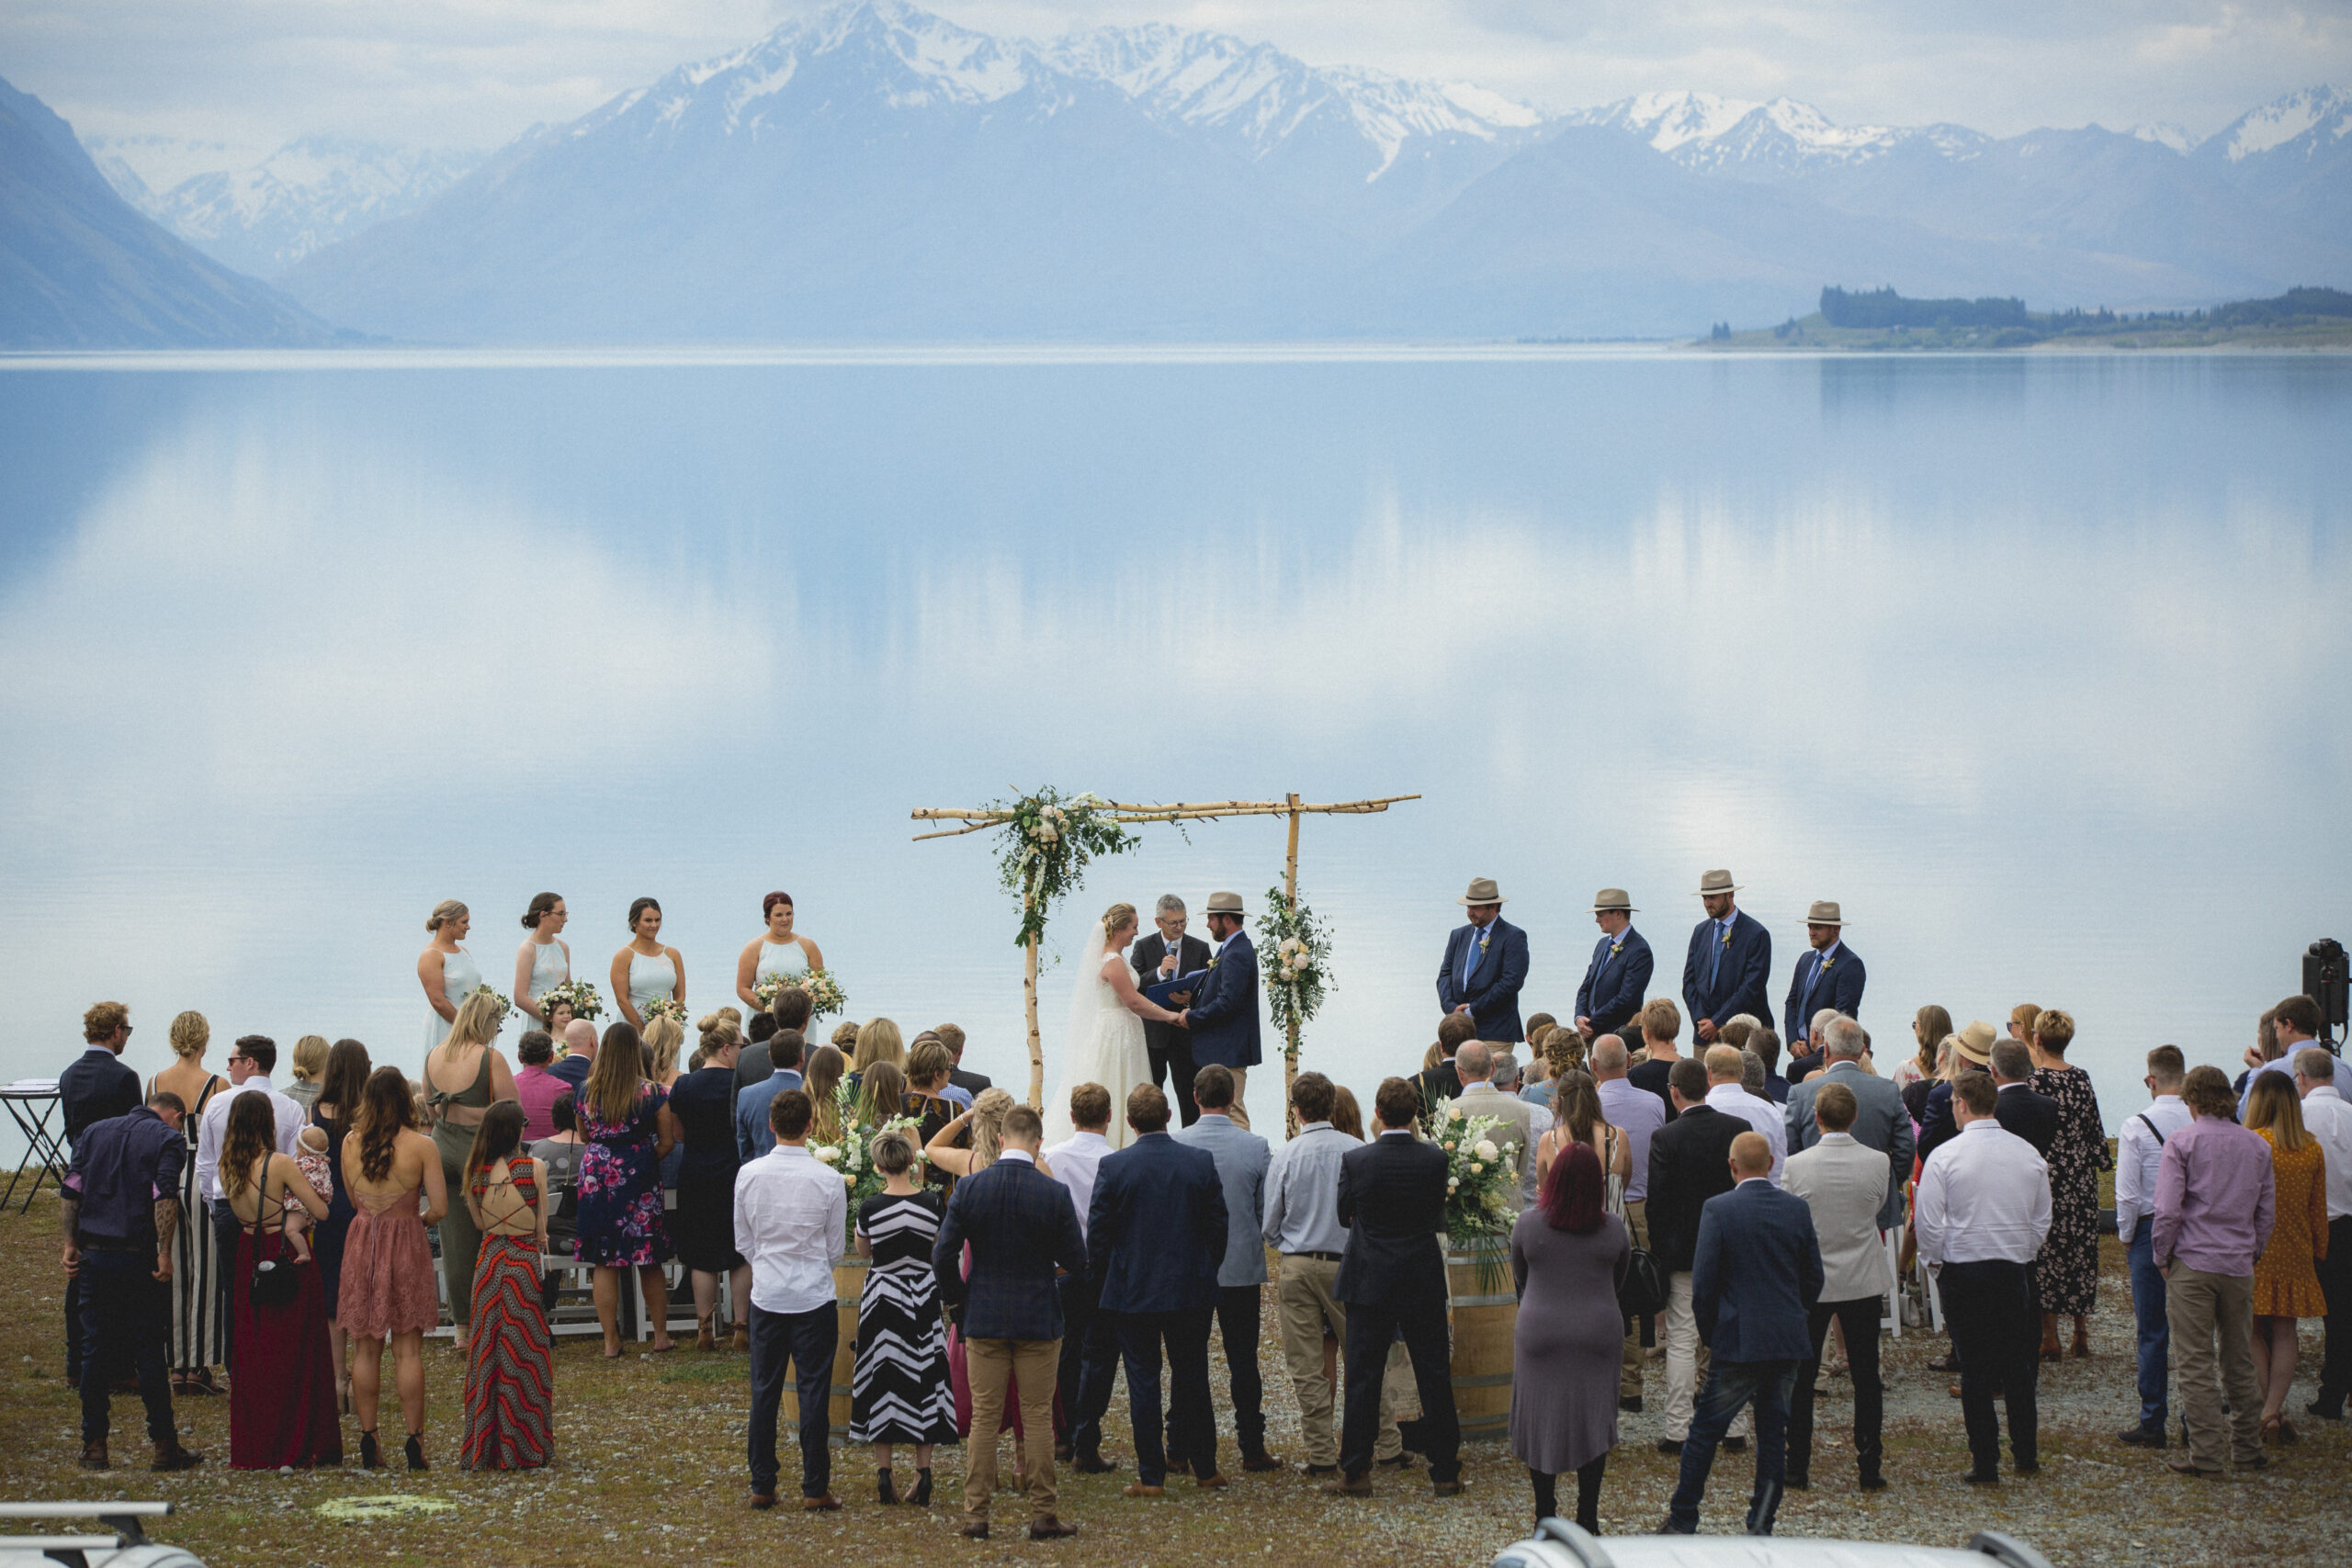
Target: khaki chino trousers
point(1304, 1308)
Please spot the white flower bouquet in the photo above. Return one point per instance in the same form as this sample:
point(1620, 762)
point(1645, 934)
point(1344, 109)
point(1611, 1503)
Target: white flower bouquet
point(504, 1006)
point(1478, 1173)
point(579, 995)
point(825, 994)
point(663, 1007)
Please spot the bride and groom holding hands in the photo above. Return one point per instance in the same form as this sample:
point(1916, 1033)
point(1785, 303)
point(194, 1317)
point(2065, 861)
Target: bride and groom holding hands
point(1120, 1037)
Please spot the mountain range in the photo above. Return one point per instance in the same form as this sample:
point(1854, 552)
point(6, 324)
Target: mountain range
point(877, 172)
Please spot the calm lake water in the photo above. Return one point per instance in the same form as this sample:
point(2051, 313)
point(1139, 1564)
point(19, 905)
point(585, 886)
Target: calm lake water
point(2033, 663)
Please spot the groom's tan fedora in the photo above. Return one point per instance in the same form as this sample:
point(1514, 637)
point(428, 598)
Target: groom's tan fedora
point(1616, 899)
point(1713, 882)
point(1482, 891)
point(1224, 904)
point(1824, 913)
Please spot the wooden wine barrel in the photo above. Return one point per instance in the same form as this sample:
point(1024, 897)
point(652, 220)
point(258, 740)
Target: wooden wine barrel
point(849, 1284)
point(1486, 1315)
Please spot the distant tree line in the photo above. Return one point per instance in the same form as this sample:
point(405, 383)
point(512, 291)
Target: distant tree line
point(2293, 303)
point(2006, 324)
point(1885, 308)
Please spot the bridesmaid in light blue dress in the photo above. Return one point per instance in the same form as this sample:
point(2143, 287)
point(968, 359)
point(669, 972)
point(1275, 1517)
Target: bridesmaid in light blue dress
point(776, 951)
point(645, 971)
point(544, 961)
point(446, 970)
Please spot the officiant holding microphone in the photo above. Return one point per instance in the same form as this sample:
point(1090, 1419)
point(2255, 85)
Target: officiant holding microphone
point(1168, 955)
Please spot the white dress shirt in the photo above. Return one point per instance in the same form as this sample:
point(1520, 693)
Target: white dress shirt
point(2137, 1152)
point(791, 1225)
point(2329, 1119)
point(1758, 1112)
point(1984, 1195)
point(290, 1119)
point(1843, 1182)
point(1073, 1162)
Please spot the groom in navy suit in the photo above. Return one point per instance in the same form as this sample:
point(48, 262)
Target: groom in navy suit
point(1729, 963)
point(1619, 975)
point(1485, 963)
point(1224, 1017)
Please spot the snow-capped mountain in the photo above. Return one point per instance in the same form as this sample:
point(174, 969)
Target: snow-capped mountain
point(1763, 140)
point(2308, 125)
point(264, 217)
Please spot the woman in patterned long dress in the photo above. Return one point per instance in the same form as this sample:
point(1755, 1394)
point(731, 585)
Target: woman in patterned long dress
point(196, 1315)
point(387, 1295)
point(2286, 1277)
point(509, 1360)
point(625, 1122)
point(900, 1392)
point(340, 1089)
point(2066, 1275)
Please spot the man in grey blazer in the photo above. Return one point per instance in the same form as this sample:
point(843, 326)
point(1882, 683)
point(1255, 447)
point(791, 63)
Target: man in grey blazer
point(1474, 1060)
point(1841, 1180)
point(1880, 1122)
point(1241, 1159)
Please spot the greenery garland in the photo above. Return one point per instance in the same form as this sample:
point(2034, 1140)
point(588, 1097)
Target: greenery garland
point(1050, 840)
point(1293, 962)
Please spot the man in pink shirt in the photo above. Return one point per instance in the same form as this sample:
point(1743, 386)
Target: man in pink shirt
point(2215, 1201)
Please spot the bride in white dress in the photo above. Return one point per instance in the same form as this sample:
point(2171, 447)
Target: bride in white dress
point(1106, 1018)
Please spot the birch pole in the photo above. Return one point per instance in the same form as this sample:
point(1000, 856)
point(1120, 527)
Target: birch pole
point(1290, 900)
point(1036, 1044)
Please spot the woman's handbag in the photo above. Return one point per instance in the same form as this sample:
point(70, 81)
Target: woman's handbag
point(275, 1283)
point(1643, 1292)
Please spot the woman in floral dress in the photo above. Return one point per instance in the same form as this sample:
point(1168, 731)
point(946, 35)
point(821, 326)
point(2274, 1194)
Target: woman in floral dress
point(2066, 1275)
point(627, 1124)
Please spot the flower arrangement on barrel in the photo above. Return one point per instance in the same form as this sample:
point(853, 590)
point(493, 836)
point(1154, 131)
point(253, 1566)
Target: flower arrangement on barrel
point(1479, 1171)
point(851, 1156)
point(826, 995)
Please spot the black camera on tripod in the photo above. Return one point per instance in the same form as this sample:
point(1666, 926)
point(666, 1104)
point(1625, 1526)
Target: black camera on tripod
point(2327, 980)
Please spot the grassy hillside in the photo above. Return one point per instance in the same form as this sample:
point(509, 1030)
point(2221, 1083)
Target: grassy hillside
point(1885, 322)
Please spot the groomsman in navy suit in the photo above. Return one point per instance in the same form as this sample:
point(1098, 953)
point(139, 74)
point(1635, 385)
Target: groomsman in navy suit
point(1485, 963)
point(1619, 975)
point(1224, 1017)
point(1730, 962)
point(1828, 977)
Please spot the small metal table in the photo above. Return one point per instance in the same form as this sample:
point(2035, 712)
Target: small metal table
point(30, 1105)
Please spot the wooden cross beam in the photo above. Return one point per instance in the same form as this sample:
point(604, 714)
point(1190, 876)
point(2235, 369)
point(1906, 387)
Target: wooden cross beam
point(976, 818)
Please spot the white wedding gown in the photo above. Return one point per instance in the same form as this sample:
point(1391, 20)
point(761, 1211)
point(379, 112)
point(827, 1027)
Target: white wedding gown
point(1105, 1045)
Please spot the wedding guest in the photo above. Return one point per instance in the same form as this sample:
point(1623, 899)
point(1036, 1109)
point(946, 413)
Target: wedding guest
point(1392, 1279)
point(2139, 1145)
point(1689, 1164)
point(558, 1156)
point(1440, 1080)
point(1638, 1115)
point(1088, 1360)
point(645, 972)
point(1567, 1257)
point(386, 1292)
point(1660, 1022)
point(445, 970)
point(1474, 1061)
point(789, 1015)
point(821, 1073)
point(1222, 1016)
point(2021, 1025)
point(878, 1040)
point(620, 1225)
point(752, 1134)
point(534, 1087)
point(464, 1076)
point(1580, 1120)
point(310, 1060)
point(543, 961)
point(1485, 966)
point(1241, 1158)
point(1828, 977)
point(2294, 1023)
point(881, 1096)
point(578, 1054)
point(282, 1398)
point(1727, 1093)
point(2021, 1108)
point(2066, 1277)
point(790, 1217)
point(952, 1036)
point(2286, 1277)
point(776, 954)
point(1982, 1211)
point(1167, 954)
point(1347, 1116)
point(1880, 1122)
point(1928, 1027)
point(94, 1086)
point(1843, 1182)
point(2216, 1202)
point(250, 1061)
point(757, 1031)
point(661, 1040)
point(340, 1088)
point(197, 1341)
point(1972, 1051)
point(1756, 1275)
point(1157, 1236)
point(1728, 965)
point(900, 1392)
point(931, 1099)
point(1765, 1046)
point(701, 1112)
point(119, 1212)
point(510, 1359)
point(1619, 974)
point(2328, 1119)
point(1022, 1227)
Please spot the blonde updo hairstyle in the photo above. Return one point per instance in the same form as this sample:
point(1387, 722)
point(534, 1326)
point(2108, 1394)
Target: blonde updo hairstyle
point(190, 1034)
point(310, 1057)
point(443, 913)
point(989, 1111)
point(717, 1031)
point(1117, 918)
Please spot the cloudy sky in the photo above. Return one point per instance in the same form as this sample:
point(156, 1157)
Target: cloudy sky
point(253, 74)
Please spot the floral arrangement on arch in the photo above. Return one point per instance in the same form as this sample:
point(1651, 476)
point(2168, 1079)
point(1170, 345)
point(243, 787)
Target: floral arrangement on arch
point(663, 1007)
point(579, 995)
point(1050, 840)
point(1293, 962)
point(1479, 1173)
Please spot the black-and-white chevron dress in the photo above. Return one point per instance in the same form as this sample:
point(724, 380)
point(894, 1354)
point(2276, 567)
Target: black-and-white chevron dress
point(900, 1392)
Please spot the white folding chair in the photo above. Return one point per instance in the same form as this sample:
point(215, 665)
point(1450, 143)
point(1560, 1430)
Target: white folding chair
point(1891, 1320)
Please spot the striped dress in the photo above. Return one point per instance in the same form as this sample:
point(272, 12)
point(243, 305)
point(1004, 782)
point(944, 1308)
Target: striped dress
point(510, 1364)
point(900, 1392)
point(200, 1300)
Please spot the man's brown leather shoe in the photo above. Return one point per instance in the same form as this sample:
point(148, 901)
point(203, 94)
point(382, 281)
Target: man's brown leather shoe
point(977, 1531)
point(1445, 1489)
point(1051, 1529)
point(828, 1504)
point(94, 1456)
point(170, 1457)
point(1349, 1486)
point(762, 1500)
point(1258, 1464)
point(1138, 1489)
point(1210, 1480)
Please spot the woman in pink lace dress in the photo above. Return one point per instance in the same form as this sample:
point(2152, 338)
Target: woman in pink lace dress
point(387, 1291)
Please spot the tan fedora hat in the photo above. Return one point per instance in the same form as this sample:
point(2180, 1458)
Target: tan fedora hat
point(1824, 913)
point(1713, 882)
point(1482, 891)
point(1976, 1043)
point(1224, 903)
point(1610, 898)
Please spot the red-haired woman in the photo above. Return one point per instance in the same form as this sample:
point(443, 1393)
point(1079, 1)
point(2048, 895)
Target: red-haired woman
point(776, 953)
point(1568, 1254)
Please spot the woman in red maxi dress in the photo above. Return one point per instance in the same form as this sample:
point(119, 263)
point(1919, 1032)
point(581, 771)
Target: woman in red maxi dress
point(281, 1393)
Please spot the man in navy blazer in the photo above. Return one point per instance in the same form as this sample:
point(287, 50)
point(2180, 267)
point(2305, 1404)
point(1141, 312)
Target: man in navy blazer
point(1224, 1017)
point(1157, 1232)
point(1391, 1280)
point(2028, 1112)
point(1485, 963)
point(1619, 975)
point(1755, 1277)
point(1730, 962)
point(1829, 976)
point(95, 1087)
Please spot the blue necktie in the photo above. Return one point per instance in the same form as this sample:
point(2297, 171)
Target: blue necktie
point(1600, 958)
point(1469, 956)
point(1715, 935)
point(1804, 1003)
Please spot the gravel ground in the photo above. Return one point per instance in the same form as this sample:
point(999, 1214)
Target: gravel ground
point(649, 1468)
